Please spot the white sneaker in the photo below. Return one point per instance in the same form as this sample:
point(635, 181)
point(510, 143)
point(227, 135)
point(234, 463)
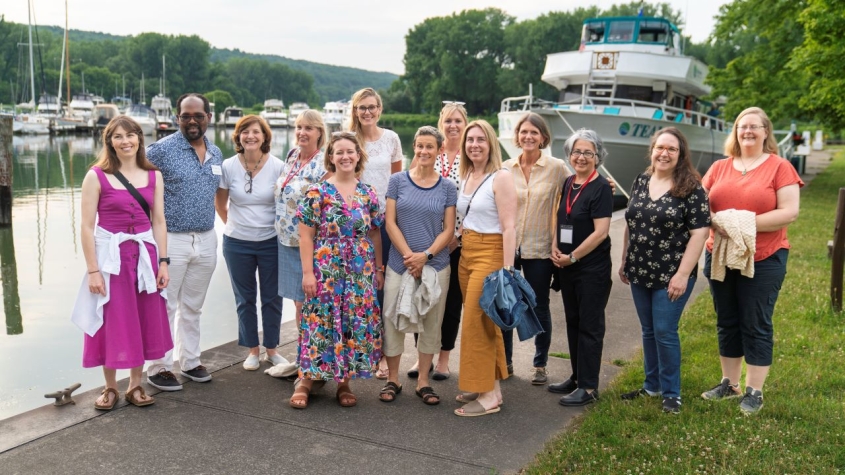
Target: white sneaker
point(276, 359)
point(251, 363)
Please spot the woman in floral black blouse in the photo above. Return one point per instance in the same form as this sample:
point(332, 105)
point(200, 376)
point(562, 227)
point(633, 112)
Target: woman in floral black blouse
point(668, 220)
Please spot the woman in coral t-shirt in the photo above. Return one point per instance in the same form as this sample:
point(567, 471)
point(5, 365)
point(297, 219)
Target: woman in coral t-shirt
point(752, 178)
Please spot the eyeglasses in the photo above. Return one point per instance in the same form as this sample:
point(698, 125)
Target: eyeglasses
point(196, 117)
point(457, 103)
point(370, 109)
point(248, 184)
point(583, 153)
point(752, 128)
point(660, 149)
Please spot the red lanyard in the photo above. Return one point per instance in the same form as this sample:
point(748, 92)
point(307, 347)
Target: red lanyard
point(296, 170)
point(569, 200)
point(444, 172)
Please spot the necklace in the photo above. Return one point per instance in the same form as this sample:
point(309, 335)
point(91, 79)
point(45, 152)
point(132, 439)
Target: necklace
point(577, 187)
point(246, 165)
point(744, 168)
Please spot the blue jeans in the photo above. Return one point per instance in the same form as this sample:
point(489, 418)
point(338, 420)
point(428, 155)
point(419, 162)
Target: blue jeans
point(242, 259)
point(659, 319)
point(538, 273)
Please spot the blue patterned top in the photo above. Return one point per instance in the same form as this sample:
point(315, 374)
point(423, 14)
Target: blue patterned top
point(189, 187)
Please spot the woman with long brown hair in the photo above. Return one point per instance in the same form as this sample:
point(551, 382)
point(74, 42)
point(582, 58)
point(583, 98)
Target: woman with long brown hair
point(121, 305)
point(668, 218)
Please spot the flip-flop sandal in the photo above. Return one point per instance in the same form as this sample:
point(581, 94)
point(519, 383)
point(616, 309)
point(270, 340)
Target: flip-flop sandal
point(300, 396)
point(133, 397)
point(108, 407)
point(382, 373)
point(475, 409)
point(428, 395)
point(391, 390)
point(345, 397)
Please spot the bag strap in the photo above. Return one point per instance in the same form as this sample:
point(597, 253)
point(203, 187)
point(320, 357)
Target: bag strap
point(473, 194)
point(134, 192)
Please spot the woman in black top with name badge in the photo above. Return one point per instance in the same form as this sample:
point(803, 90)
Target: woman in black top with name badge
point(581, 251)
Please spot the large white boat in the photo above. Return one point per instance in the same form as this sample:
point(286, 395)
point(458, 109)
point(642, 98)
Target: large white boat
point(628, 79)
point(295, 109)
point(144, 116)
point(274, 113)
point(81, 106)
point(333, 114)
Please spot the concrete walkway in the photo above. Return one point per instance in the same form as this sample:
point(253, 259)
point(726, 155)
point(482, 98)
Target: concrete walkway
point(241, 422)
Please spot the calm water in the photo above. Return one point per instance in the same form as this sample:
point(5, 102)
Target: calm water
point(41, 267)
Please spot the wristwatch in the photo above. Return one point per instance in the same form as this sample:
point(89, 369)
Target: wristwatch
point(429, 255)
point(165, 260)
point(572, 258)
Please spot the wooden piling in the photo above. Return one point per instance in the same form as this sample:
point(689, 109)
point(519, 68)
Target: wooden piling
point(5, 171)
point(838, 254)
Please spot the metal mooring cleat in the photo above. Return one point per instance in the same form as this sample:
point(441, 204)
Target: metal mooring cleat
point(63, 396)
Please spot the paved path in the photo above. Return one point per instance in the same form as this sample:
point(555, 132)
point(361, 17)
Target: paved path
point(241, 422)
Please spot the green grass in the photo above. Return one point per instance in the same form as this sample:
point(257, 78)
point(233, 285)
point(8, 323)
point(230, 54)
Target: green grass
point(560, 355)
point(801, 428)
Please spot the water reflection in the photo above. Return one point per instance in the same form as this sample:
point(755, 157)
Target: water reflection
point(44, 238)
point(9, 276)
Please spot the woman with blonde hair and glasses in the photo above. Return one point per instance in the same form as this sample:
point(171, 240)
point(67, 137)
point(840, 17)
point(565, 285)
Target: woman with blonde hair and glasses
point(384, 158)
point(340, 249)
point(487, 202)
point(752, 179)
point(246, 205)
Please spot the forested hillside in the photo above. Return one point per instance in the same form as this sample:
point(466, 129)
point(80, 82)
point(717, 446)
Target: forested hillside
point(112, 64)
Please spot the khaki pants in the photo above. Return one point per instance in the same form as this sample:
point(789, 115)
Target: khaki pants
point(482, 347)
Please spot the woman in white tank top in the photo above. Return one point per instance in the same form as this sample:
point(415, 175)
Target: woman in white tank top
point(487, 203)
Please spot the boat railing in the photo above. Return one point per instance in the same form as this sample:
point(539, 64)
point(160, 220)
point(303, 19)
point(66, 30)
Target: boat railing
point(786, 147)
point(617, 106)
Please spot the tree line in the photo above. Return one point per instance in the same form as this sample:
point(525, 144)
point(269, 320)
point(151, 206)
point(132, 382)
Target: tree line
point(113, 64)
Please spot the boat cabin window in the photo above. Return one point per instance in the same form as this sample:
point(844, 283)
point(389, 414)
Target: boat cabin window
point(593, 32)
point(654, 32)
point(621, 31)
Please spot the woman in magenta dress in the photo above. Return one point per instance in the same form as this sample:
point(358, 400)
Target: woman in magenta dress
point(124, 325)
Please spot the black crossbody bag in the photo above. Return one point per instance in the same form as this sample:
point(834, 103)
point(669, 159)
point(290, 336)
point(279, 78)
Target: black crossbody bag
point(135, 193)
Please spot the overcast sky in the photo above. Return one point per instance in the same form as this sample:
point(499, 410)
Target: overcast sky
point(365, 34)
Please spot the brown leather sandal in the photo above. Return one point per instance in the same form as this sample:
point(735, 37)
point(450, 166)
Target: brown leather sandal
point(345, 397)
point(108, 406)
point(134, 396)
point(300, 396)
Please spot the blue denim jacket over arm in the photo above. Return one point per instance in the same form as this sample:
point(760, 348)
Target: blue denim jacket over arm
point(509, 301)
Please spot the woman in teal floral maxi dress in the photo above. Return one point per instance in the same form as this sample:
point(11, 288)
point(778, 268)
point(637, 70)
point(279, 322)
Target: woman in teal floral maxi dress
point(340, 327)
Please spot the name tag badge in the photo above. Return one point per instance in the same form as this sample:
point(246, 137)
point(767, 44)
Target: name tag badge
point(565, 234)
point(217, 170)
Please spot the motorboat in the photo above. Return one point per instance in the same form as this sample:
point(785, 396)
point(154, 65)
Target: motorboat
point(101, 115)
point(295, 109)
point(163, 112)
point(274, 113)
point(231, 116)
point(144, 116)
point(628, 79)
point(81, 106)
point(333, 114)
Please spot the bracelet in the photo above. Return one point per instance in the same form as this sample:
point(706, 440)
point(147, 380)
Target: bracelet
point(380, 269)
point(94, 271)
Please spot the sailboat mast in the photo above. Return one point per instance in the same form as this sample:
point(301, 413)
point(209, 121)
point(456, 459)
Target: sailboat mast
point(31, 61)
point(61, 72)
point(163, 75)
point(67, 57)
